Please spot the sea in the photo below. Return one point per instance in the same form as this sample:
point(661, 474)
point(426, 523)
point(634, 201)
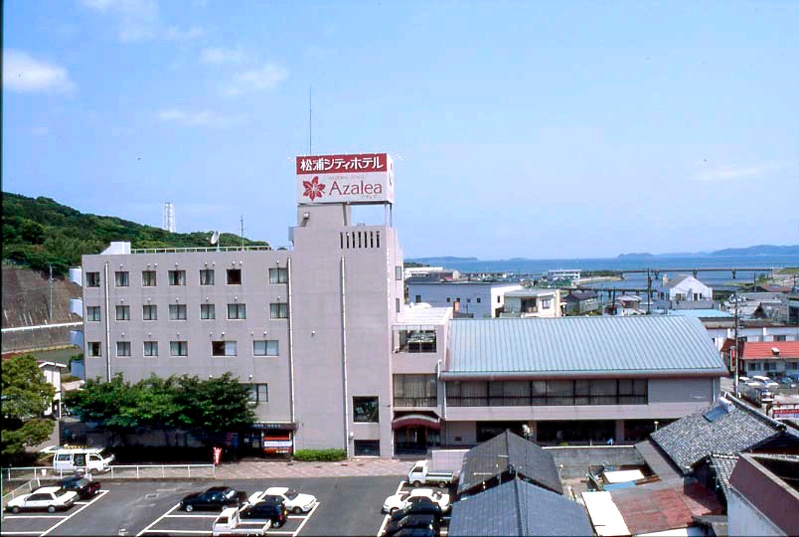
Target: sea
point(745, 266)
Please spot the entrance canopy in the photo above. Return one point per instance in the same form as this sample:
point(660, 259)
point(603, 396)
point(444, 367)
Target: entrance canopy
point(431, 422)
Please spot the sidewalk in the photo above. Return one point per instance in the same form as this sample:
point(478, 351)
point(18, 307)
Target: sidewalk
point(257, 469)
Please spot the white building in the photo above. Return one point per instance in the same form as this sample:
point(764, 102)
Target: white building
point(477, 299)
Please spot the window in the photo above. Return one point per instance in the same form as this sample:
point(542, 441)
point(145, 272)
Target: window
point(265, 347)
point(770, 366)
point(94, 348)
point(207, 277)
point(234, 276)
point(151, 348)
point(178, 348)
point(478, 300)
point(449, 300)
point(755, 366)
point(92, 279)
point(398, 273)
point(278, 275)
point(123, 348)
point(223, 348)
point(366, 448)
point(279, 310)
point(207, 311)
point(122, 278)
point(123, 313)
point(417, 340)
point(415, 390)
point(418, 298)
point(148, 278)
point(177, 312)
point(499, 300)
point(149, 312)
point(578, 392)
point(92, 313)
point(546, 303)
point(365, 409)
point(397, 305)
point(259, 393)
point(779, 338)
point(177, 277)
point(790, 366)
point(236, 311)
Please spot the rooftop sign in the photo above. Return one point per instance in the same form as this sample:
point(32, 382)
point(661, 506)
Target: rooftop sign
point(363, 178)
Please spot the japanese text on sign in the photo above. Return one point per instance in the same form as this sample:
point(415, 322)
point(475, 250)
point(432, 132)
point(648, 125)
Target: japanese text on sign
point(342, 163)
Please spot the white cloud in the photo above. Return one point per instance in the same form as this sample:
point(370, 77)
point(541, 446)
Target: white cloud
point(24, 74)
point(725, 173)
point(218, 55)
point(139, 21)
point(266, 78)
point(200, 118)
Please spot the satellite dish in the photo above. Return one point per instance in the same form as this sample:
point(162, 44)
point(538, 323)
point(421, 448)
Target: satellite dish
point(215, 237)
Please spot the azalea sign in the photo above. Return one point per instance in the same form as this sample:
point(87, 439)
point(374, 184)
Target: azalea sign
point(363, 178)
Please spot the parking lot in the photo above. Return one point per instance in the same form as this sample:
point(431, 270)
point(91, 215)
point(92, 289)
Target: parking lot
point(403, 486)
point(345, 506)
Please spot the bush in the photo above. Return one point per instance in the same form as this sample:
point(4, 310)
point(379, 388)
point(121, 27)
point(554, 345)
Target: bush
point(316, 455)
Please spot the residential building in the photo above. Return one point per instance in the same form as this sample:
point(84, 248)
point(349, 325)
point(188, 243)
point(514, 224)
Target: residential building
point(476, 299)
point(770, 358)
point(580, 302)
point(763, 496)
point(532, 303)
point(682, 292)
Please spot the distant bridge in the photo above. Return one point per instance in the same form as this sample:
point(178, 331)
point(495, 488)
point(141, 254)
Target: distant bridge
point(695, 271)
point(501, 275)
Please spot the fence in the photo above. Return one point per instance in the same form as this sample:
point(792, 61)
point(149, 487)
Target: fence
point(144, 471)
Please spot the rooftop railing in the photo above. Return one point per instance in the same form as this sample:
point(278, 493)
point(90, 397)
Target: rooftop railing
point(197, 249)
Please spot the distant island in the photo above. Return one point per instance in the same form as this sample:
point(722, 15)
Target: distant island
point(760, 249)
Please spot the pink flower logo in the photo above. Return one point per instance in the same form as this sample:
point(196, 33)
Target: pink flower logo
point(313, 189)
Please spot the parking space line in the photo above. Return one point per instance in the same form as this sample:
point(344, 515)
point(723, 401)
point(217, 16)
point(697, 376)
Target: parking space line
point(388, 515)
point(191, 516)
point(19, 533)
point(311, 512)
point(188, 532)
point(157, 520)
point(95, 499)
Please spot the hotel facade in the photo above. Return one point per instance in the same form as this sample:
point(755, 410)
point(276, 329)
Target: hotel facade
point(334, 358)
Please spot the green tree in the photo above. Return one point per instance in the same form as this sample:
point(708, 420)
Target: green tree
point(26, 395)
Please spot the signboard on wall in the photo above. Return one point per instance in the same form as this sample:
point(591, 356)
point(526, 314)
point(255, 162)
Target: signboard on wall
point(362, 178)
point(785, 412)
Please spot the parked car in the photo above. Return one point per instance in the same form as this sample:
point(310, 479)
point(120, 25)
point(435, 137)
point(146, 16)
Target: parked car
point(428, 521)
point(401, 499)
point(86, 488)
point(50, 499)
point(416, 532)
point(213, 499)
point(272, 509)
point(296, 502)
point(229, 522)
point(418, 506)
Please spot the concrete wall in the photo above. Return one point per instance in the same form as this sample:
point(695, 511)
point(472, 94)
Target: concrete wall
point(479, 299)
point(746, 519)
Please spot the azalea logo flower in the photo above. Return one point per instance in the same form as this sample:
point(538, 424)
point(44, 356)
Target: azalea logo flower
point(313, 188)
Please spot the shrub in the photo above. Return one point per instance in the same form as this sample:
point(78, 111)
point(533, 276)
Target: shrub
point(315, 455)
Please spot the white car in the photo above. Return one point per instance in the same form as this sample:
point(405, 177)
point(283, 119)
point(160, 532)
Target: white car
point(296, 502)
point(402, 499)
point(50, 499)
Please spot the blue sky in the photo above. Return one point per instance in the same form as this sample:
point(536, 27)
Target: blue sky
point(518, 129)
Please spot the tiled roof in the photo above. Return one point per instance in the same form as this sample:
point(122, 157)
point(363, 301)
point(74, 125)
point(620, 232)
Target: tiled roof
point(724, 463)
point(580, 295)
point(581, 345)
point(506, 455)
point(518, 508)
point(754, 350)
point(732, 427)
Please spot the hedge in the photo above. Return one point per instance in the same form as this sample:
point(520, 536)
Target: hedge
point(315, 455)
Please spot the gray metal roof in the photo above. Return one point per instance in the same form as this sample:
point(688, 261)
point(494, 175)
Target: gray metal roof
point(518, 508)
point(731, 427)
point(505, 456)
point(581, 345)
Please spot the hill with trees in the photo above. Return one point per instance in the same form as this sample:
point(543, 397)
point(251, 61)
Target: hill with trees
point(39, 233)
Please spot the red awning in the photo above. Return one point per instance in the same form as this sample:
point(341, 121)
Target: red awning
point(431, 422)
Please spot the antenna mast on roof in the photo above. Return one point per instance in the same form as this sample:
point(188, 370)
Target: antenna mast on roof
point(310, 121)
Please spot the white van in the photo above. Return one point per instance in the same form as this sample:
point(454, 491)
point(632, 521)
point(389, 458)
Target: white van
point(86, 460)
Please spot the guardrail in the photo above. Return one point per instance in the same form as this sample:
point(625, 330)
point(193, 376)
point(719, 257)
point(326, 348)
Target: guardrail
point(142, 471)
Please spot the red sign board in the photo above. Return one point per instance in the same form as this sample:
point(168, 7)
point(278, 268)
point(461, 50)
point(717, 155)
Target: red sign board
point(360, 178)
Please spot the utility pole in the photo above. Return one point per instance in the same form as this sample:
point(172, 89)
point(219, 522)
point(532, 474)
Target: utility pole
point(648, 291)
point(735, 346)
